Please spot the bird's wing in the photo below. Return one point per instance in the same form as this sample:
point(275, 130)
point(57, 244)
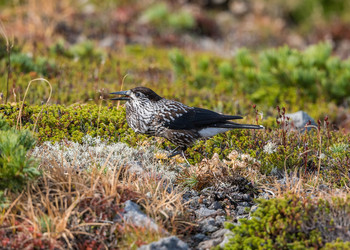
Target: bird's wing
point(192, 118)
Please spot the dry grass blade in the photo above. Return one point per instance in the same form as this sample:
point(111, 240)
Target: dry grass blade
point(2, 218)
point(163, 203)
point(24, 97)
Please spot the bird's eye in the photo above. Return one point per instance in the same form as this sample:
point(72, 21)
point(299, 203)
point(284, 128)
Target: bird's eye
point(137, 94)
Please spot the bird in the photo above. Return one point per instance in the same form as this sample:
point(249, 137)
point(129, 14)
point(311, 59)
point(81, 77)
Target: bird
point(148, 113)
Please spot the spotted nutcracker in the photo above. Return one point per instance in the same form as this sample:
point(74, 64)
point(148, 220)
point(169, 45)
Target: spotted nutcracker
point(148, 113)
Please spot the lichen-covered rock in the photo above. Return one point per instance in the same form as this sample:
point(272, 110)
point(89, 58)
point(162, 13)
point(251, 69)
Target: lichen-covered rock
point(132, 214)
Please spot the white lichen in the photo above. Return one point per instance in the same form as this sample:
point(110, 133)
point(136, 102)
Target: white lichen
point(270, 148)
point(94, 152)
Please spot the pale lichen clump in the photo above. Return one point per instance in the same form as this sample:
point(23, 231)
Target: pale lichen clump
point(270, 148)
point(96, 152)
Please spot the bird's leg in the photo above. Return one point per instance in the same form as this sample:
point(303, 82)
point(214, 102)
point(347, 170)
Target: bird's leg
point(178, 150)
point(183, 155)
point(174, 152)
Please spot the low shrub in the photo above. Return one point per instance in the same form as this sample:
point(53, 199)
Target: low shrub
point(16, 169)
point(162, 18)
point(294, 223)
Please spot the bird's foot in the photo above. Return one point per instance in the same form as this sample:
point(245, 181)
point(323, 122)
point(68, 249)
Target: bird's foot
point(175, 152)
point(179, 151)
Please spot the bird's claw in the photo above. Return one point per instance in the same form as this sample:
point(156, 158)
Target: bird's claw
point(174, 152)
point(177, 151)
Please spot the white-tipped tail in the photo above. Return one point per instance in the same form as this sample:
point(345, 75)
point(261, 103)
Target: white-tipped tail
point(208, 132)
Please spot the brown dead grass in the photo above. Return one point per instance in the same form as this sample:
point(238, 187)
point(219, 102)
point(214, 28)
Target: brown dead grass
point(67, 208)
point(36, 20)
point(211, 172)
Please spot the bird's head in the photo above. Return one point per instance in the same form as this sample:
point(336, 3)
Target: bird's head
point(138, 94)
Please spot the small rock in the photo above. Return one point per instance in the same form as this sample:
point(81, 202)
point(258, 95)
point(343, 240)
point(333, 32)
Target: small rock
point(246, 197)
point(219, 220)
point(242, 216)
point(226, 239)
point(300, 119)
point(208, 244)
point(220, 233)
point(244, 204)
point(254, 208)
point(199, 237)
point(241, 210)
point(215, 205)
point(168, 243)
point(189, 195)
point(204, 212)
point(208, 225)
point(194, 203)
point(134, 216)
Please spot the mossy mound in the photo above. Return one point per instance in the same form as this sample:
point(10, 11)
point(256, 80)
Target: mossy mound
point(56, 122)
point(295, 223)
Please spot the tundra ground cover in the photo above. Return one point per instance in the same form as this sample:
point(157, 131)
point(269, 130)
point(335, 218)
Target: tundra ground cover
point(69, 162)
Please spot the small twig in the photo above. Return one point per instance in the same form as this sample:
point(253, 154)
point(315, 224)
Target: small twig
point(98, 116)
point(305, 152)
point(285, 169)
point(319, 154)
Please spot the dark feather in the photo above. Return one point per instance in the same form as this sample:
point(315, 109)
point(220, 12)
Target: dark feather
point(233, 125)
point(198, 118)
point(151, 95)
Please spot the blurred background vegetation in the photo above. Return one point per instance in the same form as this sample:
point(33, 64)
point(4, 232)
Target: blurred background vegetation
point(226, 55)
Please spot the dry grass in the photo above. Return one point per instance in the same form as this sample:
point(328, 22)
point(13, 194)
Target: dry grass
point(19, 118)
point(211, 172)
point(36, 20)
point(66, 208)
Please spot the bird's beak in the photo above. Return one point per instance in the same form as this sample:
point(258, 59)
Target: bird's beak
point(126, 96)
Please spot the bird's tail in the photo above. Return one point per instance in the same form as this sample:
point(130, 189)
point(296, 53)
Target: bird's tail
point(233, 125)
